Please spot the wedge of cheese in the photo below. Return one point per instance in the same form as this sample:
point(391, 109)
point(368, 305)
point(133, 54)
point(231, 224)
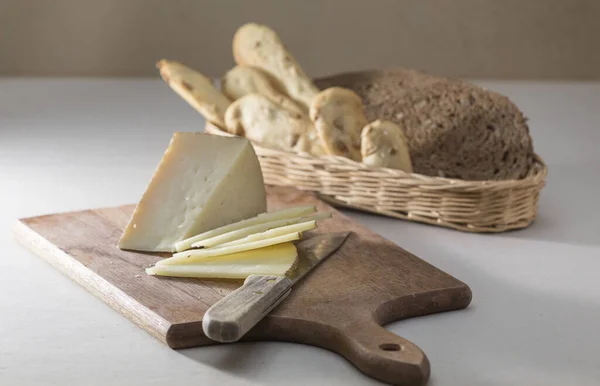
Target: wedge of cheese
point(199, 255)
point(253, 229)
point(273, 260)
point(202, 182)
point(260, 219)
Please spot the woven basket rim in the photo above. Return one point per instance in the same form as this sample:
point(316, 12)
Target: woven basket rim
point(535, 176)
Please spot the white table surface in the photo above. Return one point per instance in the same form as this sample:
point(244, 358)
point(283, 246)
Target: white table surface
point(75, 144)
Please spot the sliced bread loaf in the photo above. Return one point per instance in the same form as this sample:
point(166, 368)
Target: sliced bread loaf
point(454, 129)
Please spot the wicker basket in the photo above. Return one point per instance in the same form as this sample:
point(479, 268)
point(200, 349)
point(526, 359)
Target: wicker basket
point(473, 206)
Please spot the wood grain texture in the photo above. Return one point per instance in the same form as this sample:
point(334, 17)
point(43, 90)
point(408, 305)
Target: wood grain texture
point(339, 306)
point(233, 316)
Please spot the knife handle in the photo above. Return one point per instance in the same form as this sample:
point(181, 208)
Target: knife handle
point(234, 315)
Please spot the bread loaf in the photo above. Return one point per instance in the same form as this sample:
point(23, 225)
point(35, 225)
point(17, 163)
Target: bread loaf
point(454, 129)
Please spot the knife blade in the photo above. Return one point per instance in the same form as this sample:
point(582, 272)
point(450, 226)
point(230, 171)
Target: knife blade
point(233, 316)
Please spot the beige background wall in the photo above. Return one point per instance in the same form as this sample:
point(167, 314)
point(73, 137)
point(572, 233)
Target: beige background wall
point(465, 38)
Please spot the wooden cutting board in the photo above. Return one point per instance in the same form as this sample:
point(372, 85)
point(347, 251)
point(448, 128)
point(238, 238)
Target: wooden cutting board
point(339, 306)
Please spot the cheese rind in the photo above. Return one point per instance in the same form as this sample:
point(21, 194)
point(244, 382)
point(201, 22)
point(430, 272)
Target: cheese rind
point(253, 229)
point(196, 255)
point(274, 260)
point(260, 219)
point(202, 182)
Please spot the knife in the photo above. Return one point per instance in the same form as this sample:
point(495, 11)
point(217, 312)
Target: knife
point(233, 316)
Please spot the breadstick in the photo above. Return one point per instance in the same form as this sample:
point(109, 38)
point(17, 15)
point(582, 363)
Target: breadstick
point(338, 116)
point(195, 89)
point(244, 80)
point(384, 145)
point(259, 46)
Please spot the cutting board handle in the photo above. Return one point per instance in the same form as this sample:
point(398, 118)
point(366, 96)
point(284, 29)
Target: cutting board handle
point(384, 355)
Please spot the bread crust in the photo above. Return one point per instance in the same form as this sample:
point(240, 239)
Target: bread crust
point(338, 117)
point(259, 46)
point(383, 144)
point(454, 129)
point(243, 80)
point(195, 89)
point(263, 121)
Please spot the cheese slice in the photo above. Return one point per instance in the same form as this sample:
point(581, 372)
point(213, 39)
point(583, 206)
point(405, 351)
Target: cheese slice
point(194, 255)
point(202, 182)
point(274, 260)
point(253, 229)
point(260, 219)
point(275, 232)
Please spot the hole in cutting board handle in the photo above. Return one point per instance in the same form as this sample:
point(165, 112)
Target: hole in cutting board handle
point(390, 347)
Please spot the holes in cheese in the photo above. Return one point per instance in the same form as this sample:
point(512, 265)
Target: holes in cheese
point(260, 219)
point(195, 255)
point(273, 260)
point(196, 187)
point(241, 233)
